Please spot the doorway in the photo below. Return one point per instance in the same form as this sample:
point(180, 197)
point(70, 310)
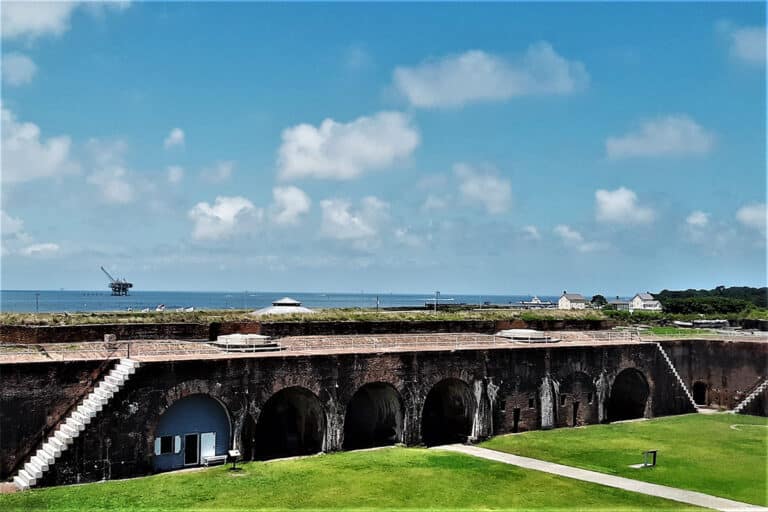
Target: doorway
point(515, 419)
point(575, 420)
point(191, 449)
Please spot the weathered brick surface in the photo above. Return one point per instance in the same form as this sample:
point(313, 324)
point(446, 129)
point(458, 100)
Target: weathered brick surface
point(118, 443)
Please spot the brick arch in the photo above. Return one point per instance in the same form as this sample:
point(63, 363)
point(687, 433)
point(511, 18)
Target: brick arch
point(374, 416)
point(577, 400)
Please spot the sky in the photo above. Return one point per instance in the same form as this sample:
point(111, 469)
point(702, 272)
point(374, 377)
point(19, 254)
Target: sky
point(392, 148)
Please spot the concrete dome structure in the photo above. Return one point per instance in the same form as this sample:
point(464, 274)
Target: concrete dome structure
point(284, 306)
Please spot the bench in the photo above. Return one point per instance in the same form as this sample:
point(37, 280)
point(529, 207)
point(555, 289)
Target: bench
point(214, 459)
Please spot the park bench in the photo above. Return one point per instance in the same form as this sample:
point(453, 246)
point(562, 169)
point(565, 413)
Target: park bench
point(214, 459)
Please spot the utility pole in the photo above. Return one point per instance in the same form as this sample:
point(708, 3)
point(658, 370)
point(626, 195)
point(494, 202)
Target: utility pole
point(437, 298)
point(37, 302)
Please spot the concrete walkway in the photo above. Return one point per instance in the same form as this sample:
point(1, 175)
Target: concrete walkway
point(661, 491)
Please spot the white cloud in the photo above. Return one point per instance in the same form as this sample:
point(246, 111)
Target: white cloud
point(222, 219)
point(341, 222)
point(174, 138)
point(26, 157)
point(404, 236)
point(113, 185)
point(484, 187)
point(219, 173)
point(110, 174)
point(620, 207)
point(290, 203)
point(747, 44)
point(10, 226)
point(697, 219)
point(29, 19)
point(531, 232)
point(475, 75)
point(672, 135)
point(574, 239)
point(434, 202)
point(44, 249)
point(18, 69)
point(753, 216)
point(343, 151)
point(175, 174)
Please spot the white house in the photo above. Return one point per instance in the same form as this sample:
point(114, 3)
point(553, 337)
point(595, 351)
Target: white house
point(644, 302)
point(571, 301)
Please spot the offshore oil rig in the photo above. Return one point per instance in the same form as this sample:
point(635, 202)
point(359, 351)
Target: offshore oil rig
point(119, 286)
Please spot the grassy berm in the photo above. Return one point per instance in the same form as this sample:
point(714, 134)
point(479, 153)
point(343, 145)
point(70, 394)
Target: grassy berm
point(387, 479)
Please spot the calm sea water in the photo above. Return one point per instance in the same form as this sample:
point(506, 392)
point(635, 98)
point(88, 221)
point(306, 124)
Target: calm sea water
point(87, 301)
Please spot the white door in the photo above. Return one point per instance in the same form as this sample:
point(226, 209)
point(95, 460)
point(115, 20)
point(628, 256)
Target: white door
point(207, 445)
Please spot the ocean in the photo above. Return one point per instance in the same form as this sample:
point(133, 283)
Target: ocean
point(71, 301)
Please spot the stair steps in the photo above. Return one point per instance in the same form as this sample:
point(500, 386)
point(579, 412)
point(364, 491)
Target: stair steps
point(677, 375)
point(75, 423)
point(750, 397)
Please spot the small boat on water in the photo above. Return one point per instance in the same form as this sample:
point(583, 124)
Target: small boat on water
point(160, 308)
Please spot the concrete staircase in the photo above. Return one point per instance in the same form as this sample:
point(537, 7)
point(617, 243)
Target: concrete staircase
point(61, 439)
point(750, 397)
point(677, 375)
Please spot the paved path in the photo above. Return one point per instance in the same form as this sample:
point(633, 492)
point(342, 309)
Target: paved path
point(662, 491)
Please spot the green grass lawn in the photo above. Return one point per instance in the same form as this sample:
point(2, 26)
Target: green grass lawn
point(396, 478)
point(696, 451)
point(677, 331)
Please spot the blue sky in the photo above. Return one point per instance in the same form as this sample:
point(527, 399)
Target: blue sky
point(472, 148)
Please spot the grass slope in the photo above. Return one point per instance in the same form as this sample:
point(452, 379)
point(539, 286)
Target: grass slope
point(696, 452)
point(397, 478)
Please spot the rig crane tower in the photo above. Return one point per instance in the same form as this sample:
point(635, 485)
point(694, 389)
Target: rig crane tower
point(118, 286)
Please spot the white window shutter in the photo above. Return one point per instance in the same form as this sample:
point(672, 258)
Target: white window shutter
point(157, 446)
point(176, 444)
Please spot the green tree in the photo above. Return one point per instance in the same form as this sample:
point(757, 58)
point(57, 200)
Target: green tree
point(599, 300)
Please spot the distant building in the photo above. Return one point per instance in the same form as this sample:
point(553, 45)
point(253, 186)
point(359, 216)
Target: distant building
point(644, 302)
point(571, 301)
point(536, 303)
point(618, 305)
point(284, 306)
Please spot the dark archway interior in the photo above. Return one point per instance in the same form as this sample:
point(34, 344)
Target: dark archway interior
point(700, 393)
point(291, 423)
point(628, 396)
point(448, 412)
point(374, 417)
point(248, 438)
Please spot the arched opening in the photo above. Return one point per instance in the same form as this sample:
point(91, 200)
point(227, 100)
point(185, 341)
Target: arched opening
point(628, 396)
point(190, 431)
point(248, 438)
point(374, 417)
point(448, 412)
point(700, 393)
point(578, 401)
point(291, 423)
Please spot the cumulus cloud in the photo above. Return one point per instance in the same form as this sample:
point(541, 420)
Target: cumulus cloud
point(27, 157)
point(574, 239)
point(531, 232)
point(175, 174)
point(620, 206)
point(174, 138)
point(30, 20)
point(343, 151)
point(672, 135)
point(747, 44)
point(290, 203)
point(753, 216)
point(484, 187)
point(10, 226)
point(435, 202)
point(697, 219)
point(219, 173)
point(18, 69)
point(475, 76)
point(110, 174)
point(341, 222)
point(44, 249)
point(222, 219)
